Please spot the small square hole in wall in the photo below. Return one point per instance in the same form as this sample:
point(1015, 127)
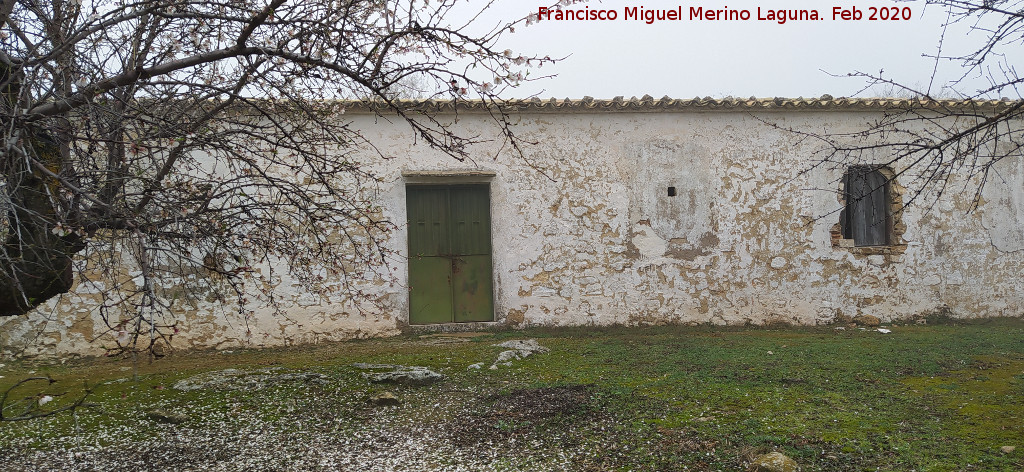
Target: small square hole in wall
point(671, 191)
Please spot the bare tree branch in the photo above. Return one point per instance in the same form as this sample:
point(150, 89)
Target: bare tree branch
point(200, 146)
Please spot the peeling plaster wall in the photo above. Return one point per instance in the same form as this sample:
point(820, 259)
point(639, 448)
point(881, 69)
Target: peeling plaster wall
point(590, 236)
point(1004, 214)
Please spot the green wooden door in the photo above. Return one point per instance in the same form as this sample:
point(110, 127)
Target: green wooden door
point(449, 254)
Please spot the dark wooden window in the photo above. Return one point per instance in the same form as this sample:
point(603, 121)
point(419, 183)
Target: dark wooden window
point(866, 219)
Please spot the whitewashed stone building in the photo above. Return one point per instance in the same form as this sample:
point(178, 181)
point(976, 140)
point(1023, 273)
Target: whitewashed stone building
point(632, 212)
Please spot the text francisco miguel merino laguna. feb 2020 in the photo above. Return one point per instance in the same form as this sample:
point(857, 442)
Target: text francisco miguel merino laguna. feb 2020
point(780, 16)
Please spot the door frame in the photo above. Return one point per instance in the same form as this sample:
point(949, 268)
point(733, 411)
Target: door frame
point(446, 178)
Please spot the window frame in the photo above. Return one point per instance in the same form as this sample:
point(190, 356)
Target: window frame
point(850, 223)
point(894, 225)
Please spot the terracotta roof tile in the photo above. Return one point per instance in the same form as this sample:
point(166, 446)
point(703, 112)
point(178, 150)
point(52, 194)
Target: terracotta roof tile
point(648, 103)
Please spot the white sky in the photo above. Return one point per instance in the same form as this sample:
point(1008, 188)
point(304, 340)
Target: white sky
point(685, 59)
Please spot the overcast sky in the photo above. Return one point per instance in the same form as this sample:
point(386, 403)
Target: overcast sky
point(685, 59)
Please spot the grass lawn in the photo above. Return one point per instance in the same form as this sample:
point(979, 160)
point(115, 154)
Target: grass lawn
point(927, 398)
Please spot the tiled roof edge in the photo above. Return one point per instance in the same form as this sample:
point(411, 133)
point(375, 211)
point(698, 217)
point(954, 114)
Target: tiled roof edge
point(667, 104)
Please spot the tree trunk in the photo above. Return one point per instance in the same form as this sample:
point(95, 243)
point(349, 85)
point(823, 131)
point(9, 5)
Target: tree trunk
point(36, 258)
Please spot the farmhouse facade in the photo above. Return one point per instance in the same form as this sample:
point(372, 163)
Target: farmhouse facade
point(638, 211)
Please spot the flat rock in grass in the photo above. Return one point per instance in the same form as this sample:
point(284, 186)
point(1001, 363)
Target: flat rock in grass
point(384, 399)
point(405, 375)
point(365, 366)
point(235, 379)
point(517, 349)
point(165, 416)
point(773, 462)
point(1007, 449)
point(526, 346)
point(510, 355)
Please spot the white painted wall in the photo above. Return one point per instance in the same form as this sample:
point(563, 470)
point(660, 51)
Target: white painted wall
point(588, 235)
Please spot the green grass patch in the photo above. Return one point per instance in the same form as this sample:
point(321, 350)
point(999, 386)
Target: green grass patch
point(936, 398)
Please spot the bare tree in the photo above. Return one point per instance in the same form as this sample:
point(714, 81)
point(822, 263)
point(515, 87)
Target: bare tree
point(201, 138)
point(941, 129)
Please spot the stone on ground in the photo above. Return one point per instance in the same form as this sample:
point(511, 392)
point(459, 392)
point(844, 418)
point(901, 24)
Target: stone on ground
point(385, 399)
point(510, 355)
point(1007, 449)
point(524, 345)
point(165, 416)
point(402, 375)
point(773, 462)
point(517, 349)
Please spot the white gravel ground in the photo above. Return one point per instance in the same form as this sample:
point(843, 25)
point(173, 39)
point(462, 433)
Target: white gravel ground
point(325, 425)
